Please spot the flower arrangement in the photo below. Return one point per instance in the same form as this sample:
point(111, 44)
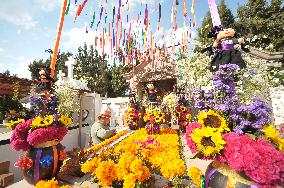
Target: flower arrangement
point(154, 118)
point(132, 118)
point(132, 161)
point(182, 113)
point(235, 134)
point(34, 132)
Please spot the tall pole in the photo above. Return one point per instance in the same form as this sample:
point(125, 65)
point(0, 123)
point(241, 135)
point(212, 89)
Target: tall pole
point(55, 51)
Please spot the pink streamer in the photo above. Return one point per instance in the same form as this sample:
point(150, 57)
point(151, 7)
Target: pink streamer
point(214, 13)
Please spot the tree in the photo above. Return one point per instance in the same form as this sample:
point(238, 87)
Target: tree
point(263, 23)
point(60, 64)
point(118, 82)
point(227, 20)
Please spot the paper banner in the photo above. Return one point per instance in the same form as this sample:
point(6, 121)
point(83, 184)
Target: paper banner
point(160, 12)
point(80, 8)
point(67, 9)
point(93, 20)
point(214, 13)
point(55, 51)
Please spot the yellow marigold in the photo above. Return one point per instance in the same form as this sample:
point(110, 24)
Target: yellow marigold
point(90, 165)
point(38, 122)
point(208, 141)
point(47, 184)
point(66, 186)
point(195, 174)
point(65, 120)
point(213, 119)
point(173, 168)
point(129, 181)
point(106, 173)
point(140, 170)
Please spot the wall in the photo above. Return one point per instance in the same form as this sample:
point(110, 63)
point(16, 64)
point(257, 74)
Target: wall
point(277, 100)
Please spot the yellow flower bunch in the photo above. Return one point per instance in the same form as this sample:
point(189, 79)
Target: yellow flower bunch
point(208, 140)
point(50, 184)
point(158, 156)
point(106, 142)
point(170, 101)
point(213, 119)
point(106, 173)
point(195, 174)
point(271, 133)
point(12, 124)
point(48, 120)
point(157, 114)
point(65, 120)
point(90, 165)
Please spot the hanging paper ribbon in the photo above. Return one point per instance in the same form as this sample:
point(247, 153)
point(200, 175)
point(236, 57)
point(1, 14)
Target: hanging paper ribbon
point(160, 12)
point(113, 13)
point(184, 8)
point(93, 20)
point(67, 9)
point(80, 8)
point(155, 4)
point(55, 51)
point(146, 22)
point(214, 13)
point(177, 3)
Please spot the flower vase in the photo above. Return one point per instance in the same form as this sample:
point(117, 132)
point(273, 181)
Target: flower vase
point(46, 162)
point(222, 176)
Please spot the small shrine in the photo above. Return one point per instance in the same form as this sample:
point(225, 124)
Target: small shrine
point(163, 72)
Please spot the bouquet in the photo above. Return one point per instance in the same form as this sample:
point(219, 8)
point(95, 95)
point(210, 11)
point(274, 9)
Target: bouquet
point(154, 118)
point(238, 135)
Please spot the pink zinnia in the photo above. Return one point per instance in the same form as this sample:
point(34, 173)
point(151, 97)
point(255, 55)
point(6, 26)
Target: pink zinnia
point(42, 135)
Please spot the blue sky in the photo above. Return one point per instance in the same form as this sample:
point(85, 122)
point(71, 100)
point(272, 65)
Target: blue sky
point(29, 27)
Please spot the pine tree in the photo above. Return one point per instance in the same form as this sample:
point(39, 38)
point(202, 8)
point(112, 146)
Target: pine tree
point(264, 23)
point(227, 20)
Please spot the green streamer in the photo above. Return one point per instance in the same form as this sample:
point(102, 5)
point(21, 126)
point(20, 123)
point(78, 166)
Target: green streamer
point(67, 9)
point(93, 21)
point(202, 181)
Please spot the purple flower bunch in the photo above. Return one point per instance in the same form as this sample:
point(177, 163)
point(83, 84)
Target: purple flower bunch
point(42, 105)
point(223, 98)
point(251, 117)
point(224, 79)
point(204, 99)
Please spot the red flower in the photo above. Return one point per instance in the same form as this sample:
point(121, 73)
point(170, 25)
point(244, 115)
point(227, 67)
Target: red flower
point(24, 163)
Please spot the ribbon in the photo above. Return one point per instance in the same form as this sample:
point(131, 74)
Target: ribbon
point(55, 51)
point(202, 181)
point(209, 175)
point(214, 13)
point(67, 9)
point(37, 163)
point(55, 160)
point(80, 8)
point(160, 12)
point(93, 20)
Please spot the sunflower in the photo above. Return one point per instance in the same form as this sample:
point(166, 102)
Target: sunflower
point(270, 132)
point(183, 108)
point(38, 122)
point(213, 119)
point(48, 120)
point(12, 124)
point(208, 140)
point(65, 120)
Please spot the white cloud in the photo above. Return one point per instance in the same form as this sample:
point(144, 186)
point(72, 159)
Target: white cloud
point(1, 50)
point(20, 12)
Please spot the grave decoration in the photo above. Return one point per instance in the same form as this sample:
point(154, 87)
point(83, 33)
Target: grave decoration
point(246, 147)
